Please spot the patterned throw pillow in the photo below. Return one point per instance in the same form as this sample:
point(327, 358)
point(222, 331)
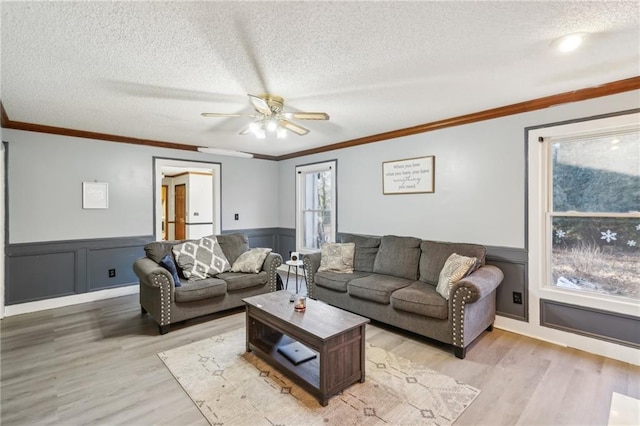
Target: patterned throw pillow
point(201, 258)
point(337, 257)
point(455, 268)
point(251, 261)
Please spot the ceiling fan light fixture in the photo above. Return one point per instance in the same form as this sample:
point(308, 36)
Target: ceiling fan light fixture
point(272, 125)
point(255, 126)
point(260, 133)
point(271, 119)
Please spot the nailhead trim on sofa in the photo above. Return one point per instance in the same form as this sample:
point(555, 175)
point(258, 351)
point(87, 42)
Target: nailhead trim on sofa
point(460, 298)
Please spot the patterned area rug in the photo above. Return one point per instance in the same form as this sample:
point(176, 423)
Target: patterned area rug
point(233, 387)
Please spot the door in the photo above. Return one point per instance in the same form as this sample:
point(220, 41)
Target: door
point(180, 207)
point(165, 212)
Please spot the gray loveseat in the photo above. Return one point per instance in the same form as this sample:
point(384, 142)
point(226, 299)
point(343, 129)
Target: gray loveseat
point(168, 304)
point(394, 282)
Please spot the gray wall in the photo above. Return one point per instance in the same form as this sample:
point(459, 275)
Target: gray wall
point(45, 188)
point(479, 179)
point(480, 194)
point(56, 248)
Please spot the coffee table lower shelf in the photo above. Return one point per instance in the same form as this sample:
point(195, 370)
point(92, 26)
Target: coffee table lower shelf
point(305, 374)
point(339, 360)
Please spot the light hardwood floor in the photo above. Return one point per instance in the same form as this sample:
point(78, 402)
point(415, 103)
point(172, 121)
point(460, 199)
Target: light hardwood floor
point(96, 363)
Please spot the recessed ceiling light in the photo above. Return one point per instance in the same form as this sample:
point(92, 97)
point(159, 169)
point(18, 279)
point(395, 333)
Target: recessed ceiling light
point(569, 42)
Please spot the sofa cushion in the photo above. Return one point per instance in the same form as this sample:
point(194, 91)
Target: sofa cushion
point(251, 261)
point(233, 245)
point(366, 251)
point(398, 256)
point(422, 299)
point(167, 263)
point(337, 257)
point(200, 289)
point(201, 258)
point(455, 268)
point(376, 287)
point(435, 254)
point(336, 281)
point(239, 280)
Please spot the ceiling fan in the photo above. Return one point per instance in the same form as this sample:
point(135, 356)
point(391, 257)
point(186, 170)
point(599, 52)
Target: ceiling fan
point(270, 118)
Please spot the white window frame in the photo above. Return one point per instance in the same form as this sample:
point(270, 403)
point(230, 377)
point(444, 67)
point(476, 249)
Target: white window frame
point(301, 172)
point(539, 218)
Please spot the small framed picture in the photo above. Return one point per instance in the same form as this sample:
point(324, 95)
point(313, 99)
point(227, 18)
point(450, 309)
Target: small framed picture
point(95, 195)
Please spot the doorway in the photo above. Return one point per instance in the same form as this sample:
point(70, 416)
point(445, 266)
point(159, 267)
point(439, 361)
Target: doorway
point(165, 212)
point(167, 227)
point(180, 207)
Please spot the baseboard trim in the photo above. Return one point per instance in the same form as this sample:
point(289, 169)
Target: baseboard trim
point(76, 299)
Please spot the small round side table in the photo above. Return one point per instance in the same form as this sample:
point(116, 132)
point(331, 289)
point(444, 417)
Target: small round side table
point(295, 264)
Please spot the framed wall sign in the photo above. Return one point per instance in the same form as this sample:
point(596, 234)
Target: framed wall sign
point(95, 195)
point(409, 176)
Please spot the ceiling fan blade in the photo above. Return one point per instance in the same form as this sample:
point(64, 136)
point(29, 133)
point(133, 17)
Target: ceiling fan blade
point(260, 105)
point(293, 127)
point(216, 114)
point(307, 115)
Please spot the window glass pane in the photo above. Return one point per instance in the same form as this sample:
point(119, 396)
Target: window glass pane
point(600, 255)
point(317, 213)
point(318, 190)
point(317, 229)
point(600, 174)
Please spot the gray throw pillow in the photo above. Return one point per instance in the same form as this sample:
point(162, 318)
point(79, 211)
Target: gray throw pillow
point(201, 258)
point(337, 257)
point(251, 261)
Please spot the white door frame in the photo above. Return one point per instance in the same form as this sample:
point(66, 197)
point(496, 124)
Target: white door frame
point(3, 171)
point(216, 172)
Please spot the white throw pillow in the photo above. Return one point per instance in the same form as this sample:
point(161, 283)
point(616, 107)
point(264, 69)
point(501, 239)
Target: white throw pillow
point(251, 261)
point(455, 268)
point(337, 257)
point(201, 258)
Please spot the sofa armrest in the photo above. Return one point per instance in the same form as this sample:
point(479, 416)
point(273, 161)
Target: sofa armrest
point(311, 264)
point(150, 273)
point(270, 266)
point(479, 284)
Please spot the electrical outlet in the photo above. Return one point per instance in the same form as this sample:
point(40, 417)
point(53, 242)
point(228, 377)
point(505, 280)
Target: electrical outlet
point(517, 298)
point(112, 273)
point(236, 216)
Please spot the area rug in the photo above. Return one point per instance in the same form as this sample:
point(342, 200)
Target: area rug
point(233, 387)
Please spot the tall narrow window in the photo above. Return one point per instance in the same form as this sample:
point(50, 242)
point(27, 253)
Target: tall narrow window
point(593, 212)
point(315, 205)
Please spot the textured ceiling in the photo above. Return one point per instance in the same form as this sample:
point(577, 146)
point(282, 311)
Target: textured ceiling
point(147, 70)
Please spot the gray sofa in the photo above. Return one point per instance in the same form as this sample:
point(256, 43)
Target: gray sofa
point(168, 304)
point(394, 282)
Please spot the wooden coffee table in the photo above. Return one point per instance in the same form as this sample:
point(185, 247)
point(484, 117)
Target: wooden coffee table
point(336, 336)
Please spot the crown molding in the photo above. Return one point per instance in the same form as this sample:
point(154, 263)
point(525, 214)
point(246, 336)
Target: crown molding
point(612, 88)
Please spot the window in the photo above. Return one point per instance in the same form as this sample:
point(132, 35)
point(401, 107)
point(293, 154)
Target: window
point(592, 211)
point(315, 205)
